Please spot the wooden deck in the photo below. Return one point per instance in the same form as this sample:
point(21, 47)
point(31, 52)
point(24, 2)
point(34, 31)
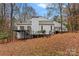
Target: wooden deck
point(33, 35)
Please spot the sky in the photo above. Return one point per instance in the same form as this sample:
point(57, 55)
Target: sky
point(40, 8)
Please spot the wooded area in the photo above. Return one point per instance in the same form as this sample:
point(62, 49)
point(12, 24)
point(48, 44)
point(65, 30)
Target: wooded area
point(55, 44)
point(10, 12)
point(69, 11)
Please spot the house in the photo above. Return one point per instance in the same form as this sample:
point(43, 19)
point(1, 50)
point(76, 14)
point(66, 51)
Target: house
point(57, 26)
point(36, 26)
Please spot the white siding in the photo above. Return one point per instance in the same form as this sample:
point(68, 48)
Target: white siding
point(18, 35)
point(35, 25)
point(58, 26)
point(25, 26)
point(47, 28)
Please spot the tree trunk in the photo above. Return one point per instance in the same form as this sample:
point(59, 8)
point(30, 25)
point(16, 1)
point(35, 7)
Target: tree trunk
point(11, 21)
point(60, 7)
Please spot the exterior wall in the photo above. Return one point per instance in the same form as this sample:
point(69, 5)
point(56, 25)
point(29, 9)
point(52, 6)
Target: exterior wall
point(25, 26)
point(47, 28)
point(36, 24)
point(20, 34)
point(58, 26)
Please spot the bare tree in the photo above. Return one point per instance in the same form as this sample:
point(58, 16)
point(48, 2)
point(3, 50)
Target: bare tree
point(72, 16)
point(28, 11)
point(11, 17)
point(61, 17)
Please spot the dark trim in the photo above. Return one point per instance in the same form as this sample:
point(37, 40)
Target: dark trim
point(19, 30)
point(46, 24)
point(24, 24)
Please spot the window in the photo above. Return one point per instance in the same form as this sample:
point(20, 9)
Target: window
point(51, 27)
point(28, 27)
point(20, 21)
point(21, 27)
point(41, 27)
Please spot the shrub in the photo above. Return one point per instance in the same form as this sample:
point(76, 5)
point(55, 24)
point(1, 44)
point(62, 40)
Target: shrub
point(50, 32)
point(3, 35)
point(56, 32)
point(43, 31)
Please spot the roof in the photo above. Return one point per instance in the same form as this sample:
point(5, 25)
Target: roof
point(46, 23)
point(40, 19)
point(24, 23)
point(56, 24)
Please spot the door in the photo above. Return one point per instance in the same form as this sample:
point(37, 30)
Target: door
point(29, 29)
point(22, 32)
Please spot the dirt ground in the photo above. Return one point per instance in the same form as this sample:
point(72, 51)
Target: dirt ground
point(58, 44)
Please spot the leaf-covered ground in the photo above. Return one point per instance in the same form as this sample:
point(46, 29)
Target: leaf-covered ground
point(58, 44)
